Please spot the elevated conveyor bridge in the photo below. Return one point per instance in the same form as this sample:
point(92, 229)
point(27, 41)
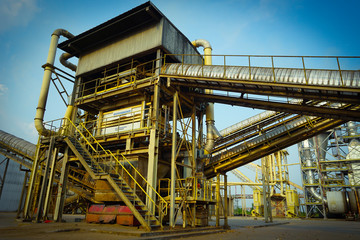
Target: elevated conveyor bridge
point(320, 100)
point(238, 85)
point(302, 103)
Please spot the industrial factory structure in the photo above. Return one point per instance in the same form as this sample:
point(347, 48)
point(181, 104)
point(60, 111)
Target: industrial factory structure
point(138, 142)
point(330, 172)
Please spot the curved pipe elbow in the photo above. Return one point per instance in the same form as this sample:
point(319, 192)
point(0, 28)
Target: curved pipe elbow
point(62, 32)
point(211, 136)
point(209, 146)
point(201, 43)
point(64, 61)
point(39, 125)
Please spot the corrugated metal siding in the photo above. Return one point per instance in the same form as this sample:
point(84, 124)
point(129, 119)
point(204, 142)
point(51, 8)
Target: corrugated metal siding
point(261, 74)
point(12, 188)
point(124, 47)
point(27, 148)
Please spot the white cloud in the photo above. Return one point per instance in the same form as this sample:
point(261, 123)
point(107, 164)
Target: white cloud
point(29, 131)
point(3, 89)
point(16, 13)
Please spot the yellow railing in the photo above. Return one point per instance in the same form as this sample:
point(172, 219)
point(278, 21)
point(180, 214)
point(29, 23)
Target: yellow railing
point(162, 207)
point(191, 188)
point(132, 73)
point(117, 78)
point(304, 63)
point(135, 121)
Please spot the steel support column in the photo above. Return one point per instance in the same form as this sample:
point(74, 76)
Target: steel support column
point(154, 138)
point(173, 162)
point(50, 184)
point(226, 208)
point(33, 177)
point(45, 180)
point(2, 183)
point(20, 207)
point(62, 187)
point(218, 199)
point(266, 189)
point(193, 140)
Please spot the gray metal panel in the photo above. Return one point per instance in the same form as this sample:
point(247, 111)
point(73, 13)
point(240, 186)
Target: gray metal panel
point(176, 43)
point(21, 145)
point(12, 188)
point(123, 47)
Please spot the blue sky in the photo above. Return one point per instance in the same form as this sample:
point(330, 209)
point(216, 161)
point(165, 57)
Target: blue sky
point(283, 27)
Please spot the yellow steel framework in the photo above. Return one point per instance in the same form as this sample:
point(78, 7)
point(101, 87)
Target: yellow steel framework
point(138, 117)
point(159, 92)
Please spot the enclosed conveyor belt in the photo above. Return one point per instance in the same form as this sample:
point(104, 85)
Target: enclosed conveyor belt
point(263, 141)
point(19, 145)
point(269, 142)
point(255, 125)
point(256, 119)
point(247, 122)
point(23, 152)
point(332, 85)
point(251, 131)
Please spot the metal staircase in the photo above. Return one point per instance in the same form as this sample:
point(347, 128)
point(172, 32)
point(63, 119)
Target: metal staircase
point(94, 161)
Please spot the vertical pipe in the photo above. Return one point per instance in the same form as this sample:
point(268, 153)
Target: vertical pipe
point(40, 110)
point(212, 132)
point(173, 162)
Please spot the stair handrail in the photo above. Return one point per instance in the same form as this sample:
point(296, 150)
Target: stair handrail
point(163, 204)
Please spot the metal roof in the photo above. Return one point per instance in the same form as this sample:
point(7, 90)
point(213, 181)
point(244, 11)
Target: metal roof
point(129, 21)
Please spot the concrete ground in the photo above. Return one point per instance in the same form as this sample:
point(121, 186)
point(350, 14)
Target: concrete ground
point(241, 228)
point(289, 229)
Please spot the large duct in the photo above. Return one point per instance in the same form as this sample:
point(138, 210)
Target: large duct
point(211, 132)
point(309, 163)
point(321, 142)
point(354, 153)
point(64, 61)
point(40, 110)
